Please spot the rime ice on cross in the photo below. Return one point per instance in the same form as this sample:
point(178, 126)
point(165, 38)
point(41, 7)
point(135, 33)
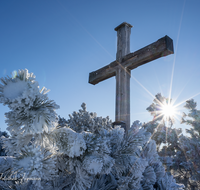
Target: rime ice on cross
point(124, 63)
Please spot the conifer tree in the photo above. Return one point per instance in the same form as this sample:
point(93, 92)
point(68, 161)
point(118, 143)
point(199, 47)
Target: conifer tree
point(174, 148)
point(85, 152)
point(2, 150)
point(191, 144)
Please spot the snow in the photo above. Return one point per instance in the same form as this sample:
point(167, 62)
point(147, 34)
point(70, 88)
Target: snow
point(39, 124)
point(76, 148)
point(6, 163)
point(70, 142)
point(96, 166)
point(93, 164)
point(25, 163)
point(14, 89)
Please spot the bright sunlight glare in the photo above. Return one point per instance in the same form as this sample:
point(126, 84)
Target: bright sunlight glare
point(168, 110)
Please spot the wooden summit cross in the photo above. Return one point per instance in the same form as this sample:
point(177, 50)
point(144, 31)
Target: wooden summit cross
point(124, 63)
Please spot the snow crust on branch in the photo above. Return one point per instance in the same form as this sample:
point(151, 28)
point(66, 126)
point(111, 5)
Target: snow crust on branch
point(32, 112)
point(69, 142)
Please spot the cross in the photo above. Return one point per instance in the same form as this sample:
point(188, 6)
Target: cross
point(124, 63)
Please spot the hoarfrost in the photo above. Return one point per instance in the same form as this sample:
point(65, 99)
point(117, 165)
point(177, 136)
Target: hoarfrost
point(14, 89)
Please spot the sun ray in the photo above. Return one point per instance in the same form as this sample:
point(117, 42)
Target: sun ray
point(187, 99)
point(143, 87)
point(175, 99)
point(176, 47)
point(144, 112)
point(158, 83)
point(78, 22)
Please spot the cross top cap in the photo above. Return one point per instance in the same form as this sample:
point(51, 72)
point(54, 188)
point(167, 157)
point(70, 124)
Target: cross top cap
point(122, 25)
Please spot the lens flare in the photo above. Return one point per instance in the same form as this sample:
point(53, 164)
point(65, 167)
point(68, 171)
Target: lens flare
point(14, 74)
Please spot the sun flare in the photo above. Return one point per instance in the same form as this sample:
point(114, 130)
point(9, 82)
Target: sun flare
point(168, 111)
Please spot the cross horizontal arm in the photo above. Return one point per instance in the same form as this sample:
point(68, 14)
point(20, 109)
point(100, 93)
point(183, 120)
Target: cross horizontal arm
point(160, 48)
point(103, 73)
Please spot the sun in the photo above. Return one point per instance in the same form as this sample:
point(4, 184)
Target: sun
point(165, 110)
point(168, 111)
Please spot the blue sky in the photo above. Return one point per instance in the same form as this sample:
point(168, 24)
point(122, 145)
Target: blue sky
point(62, 41)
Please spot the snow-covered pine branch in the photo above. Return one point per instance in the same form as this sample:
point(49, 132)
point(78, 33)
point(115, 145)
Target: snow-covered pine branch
point(85, 152)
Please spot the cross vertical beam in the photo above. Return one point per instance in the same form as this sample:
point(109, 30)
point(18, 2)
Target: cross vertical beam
point(123, 74)
point(123, 40)
point(122, 109)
